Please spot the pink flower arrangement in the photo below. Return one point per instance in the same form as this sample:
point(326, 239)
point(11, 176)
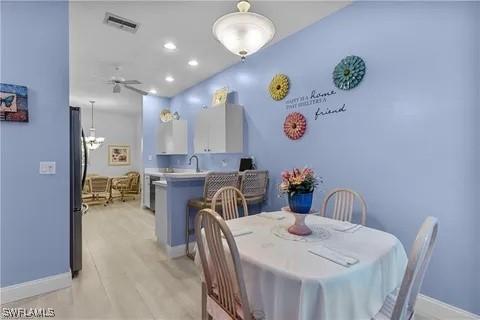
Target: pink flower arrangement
point(299, 181)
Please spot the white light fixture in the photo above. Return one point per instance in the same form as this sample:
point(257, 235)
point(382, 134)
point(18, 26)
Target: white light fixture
point(92, 141)
point(169, 79)
point(152, 91)
point(243, 32)
point(170, 46)
point(193, 63)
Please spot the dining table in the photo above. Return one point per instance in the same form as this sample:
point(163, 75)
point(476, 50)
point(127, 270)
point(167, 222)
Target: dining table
point(340, 271)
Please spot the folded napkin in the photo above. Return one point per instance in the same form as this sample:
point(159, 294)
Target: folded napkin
point(272, 215)
point(344, 226)
point(236, 232)
point(333, 256)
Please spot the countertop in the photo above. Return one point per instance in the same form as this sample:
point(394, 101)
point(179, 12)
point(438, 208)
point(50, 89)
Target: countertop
point(177, 174)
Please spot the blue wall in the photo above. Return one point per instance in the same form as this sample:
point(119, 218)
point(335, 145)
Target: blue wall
point(152, 105)
point(409, 138)
point(35, 208)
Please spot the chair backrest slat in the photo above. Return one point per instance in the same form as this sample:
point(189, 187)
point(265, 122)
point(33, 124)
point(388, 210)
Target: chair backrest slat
point(418, 261)
point(223, 271)
point(229, 198)
point(343, 205)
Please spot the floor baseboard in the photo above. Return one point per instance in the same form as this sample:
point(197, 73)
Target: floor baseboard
point(440, 310)
point(35, 287)
point(176, 251)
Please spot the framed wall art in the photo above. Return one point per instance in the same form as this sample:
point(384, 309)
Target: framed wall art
point(220, 97)
point(118, 155)
point(13, 103)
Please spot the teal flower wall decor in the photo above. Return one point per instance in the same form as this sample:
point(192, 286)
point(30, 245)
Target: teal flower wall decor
point(349, 72)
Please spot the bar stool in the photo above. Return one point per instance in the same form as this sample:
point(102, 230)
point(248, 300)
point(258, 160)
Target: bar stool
point(254, 186)
point(214, 181)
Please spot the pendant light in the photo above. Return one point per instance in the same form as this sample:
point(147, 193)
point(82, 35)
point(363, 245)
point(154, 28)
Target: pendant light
point(243, 32)
point(92, 141)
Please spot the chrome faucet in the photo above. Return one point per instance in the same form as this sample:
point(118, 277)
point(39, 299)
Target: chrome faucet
point(190, 162)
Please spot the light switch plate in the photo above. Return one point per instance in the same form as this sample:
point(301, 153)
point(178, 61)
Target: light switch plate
point(150, 158)
point(48, 167)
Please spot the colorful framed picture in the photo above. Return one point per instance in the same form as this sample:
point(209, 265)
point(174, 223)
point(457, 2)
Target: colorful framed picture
point(220, 97)
point(13, 103)
point(118, 155)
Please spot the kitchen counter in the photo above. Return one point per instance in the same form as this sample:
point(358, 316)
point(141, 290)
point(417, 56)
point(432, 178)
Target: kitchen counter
point(176, 174)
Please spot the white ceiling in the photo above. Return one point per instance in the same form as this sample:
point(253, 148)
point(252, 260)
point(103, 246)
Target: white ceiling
point(96, 49)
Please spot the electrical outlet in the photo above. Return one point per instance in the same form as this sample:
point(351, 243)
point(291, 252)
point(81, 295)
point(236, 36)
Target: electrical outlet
point(48, 167)
point(224, 163)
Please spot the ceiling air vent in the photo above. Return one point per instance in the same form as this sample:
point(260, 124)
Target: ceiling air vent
point(120, 23)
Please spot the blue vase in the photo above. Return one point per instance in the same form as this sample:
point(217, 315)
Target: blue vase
point(300, 202)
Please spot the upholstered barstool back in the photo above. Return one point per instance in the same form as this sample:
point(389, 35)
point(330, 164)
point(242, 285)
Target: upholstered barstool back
point(254, 185)
point(214, 181)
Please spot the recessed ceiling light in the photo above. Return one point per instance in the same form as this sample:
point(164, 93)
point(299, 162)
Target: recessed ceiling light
point(193, 63)
point(170, 46)
point(169, 79)
point(152, 91)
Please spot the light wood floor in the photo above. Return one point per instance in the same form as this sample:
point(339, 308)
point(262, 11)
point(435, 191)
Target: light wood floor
point(125, 273)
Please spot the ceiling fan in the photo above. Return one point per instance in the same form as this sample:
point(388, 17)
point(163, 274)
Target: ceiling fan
point(117, 85)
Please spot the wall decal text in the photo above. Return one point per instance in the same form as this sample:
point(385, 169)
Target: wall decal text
point(329, 111)
point(308, 100)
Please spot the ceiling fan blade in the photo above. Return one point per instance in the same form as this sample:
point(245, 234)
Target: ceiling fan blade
point(131, 82)
point(136, 90)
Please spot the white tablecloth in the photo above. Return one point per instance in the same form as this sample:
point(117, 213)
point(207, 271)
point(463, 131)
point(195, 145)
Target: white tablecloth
point(287, 282)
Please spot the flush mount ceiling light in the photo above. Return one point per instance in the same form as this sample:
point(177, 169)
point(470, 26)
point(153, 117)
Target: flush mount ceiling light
point(169, 79)
point(92, 141)
point(243, 32)
point(170, 46)
point(152, 91)
point(193, 63)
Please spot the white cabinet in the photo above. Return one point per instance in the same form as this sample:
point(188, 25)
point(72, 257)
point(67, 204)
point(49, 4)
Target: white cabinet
point(219, 130)
point(172, 137)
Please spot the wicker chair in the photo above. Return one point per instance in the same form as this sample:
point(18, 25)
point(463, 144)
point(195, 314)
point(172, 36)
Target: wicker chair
point(214, 181)
point(400, 305)
point(87, 194)
point(343, 205)
point(228, 199)
point(134, 187)
point(254, 186)
point(224, 295)
point(120, 187)
point(101, 189)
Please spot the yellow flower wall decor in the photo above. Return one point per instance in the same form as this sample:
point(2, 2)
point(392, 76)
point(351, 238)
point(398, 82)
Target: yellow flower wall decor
point(279, 87)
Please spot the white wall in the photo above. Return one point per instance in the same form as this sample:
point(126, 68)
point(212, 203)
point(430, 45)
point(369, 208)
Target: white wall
point(117, 128)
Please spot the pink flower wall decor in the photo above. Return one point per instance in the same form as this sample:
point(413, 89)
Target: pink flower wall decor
point(295, 125)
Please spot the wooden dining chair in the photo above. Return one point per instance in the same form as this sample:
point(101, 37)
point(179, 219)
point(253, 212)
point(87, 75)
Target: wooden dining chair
point(228, 199)
point(400, 305)
point(344, 200)
point(224, 295)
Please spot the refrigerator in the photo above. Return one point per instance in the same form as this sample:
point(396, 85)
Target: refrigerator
point(78, 170)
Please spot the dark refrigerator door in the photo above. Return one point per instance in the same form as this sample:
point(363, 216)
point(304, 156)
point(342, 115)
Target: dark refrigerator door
point(75, 191)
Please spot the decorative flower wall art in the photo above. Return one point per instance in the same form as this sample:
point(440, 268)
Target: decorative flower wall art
point(278, 87)
point(295, 125)
point(349, 72)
